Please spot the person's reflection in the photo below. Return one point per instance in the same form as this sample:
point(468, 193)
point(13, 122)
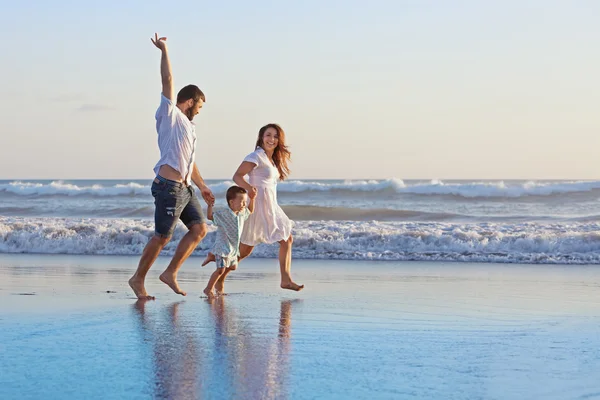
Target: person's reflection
point(176, 360)
point(279, 362)
point(256, 363)
point(243, 357)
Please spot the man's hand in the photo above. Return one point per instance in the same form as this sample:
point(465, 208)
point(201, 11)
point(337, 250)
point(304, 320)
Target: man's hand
point(207, 195)
point(161, 43)
point(165, 67)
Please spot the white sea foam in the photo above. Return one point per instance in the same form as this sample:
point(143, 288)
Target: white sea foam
point(437, 187)
point(432, 188)
point(66, 189)
point(576, 243)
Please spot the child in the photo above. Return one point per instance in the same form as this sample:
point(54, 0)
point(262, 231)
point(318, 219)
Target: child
point(230, 222)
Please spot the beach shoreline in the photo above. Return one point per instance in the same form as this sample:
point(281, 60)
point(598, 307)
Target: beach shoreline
point(71, 328)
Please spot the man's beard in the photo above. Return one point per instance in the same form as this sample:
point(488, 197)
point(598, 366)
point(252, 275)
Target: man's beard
point(188, 113)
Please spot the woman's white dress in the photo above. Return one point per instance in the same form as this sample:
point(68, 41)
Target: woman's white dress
point(268, 223)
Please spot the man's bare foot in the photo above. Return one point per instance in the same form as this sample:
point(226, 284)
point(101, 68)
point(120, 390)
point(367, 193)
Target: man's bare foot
point(137, 285)
point(171, 281)
point(210, 257)
point(209, 294)
point(292, 286)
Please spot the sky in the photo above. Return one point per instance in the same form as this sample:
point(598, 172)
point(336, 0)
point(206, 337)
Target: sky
point(364, 90)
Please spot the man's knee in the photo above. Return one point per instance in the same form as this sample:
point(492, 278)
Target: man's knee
point(198, 231)
point(160, 240)
point(232, 267)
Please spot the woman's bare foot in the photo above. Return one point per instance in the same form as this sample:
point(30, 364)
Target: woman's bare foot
point(171, 281)
point(292, 286)
point(209, 294)
point(210, 257)
point(137, 285)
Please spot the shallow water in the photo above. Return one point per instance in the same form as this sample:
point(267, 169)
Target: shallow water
point(71, 329)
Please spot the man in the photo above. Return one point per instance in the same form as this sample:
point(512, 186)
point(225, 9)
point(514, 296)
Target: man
point(174, 197)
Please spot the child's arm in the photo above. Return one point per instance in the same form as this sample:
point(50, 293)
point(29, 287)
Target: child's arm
point(251, 205)
point(209, 212)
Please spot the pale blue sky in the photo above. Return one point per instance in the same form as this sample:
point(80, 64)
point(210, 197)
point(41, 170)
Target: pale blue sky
point(406, 89)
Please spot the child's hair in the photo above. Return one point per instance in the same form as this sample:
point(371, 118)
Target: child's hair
point(233, 191)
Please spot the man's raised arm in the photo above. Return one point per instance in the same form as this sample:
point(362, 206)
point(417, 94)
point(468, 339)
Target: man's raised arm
point(165, 67)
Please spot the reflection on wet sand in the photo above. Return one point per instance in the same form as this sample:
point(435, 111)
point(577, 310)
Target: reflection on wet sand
point(176, 360)
point(236, 357)
point(257, 363)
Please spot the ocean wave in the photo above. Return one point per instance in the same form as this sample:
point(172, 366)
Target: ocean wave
point(437, 187)
point(67, 189)
point(59, 188)
point(295, 212)
point(392, 186)
point(312, 213)
point(573, 243)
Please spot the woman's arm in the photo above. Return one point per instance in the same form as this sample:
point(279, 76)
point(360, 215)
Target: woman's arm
point(251, 205)
point(243, 170)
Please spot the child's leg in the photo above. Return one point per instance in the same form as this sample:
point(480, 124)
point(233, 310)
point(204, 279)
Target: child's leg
point(211, 282)
point(220, 284)
point(214, 277)
point(209, 258)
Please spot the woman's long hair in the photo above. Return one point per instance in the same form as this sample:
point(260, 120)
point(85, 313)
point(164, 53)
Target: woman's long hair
point(281, 154)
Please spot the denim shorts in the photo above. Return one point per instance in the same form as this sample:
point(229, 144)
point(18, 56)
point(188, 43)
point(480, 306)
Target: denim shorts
point(174, 201)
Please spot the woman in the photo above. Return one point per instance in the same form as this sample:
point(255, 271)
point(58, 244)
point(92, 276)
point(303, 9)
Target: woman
point(268, 224)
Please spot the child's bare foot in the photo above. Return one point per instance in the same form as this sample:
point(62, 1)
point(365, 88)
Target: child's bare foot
point(209, 293)
point(220, 287)
point(210, 257)
point(171, 281)
point(137, 285)
point(292, 286)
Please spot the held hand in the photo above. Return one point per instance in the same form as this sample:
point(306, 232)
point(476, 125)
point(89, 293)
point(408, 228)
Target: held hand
point(161, 43)
point(207, 195)
point(252, 192)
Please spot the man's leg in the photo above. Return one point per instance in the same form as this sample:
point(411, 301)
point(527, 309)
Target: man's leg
point(164, 224)
point(193, 217)
point(185, 247)
point(149, 255)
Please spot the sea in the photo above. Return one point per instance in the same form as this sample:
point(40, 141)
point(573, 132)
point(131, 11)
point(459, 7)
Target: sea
point(496, 221)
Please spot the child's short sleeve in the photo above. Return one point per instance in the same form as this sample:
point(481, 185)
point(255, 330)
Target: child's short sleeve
point(246, 214)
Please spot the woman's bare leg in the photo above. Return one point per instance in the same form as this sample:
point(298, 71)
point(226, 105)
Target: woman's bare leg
point(285, 265)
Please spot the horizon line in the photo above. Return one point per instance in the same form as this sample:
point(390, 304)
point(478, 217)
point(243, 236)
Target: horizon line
point(319, 179)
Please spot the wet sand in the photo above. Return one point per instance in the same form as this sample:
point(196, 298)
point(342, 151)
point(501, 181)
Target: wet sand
point(71, 329)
